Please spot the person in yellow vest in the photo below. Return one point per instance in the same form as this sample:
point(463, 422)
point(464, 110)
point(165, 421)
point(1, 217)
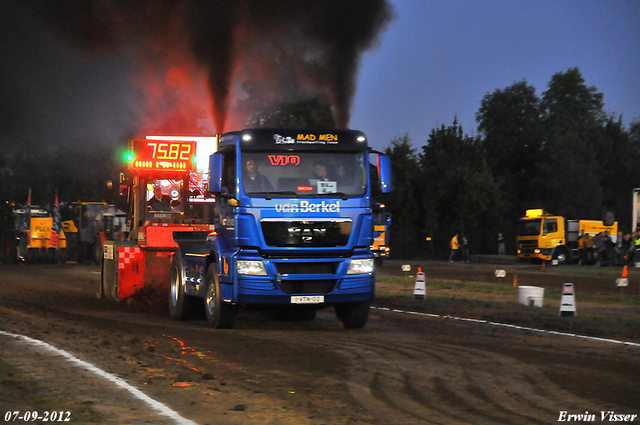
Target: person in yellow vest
point(635, 246)
point(581, 249)
point(588, 247)
point(455, 249)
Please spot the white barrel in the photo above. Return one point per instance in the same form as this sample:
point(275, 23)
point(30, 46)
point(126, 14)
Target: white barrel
point(530, 295)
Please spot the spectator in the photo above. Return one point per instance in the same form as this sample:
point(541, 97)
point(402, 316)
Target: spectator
point(465, 250)
point(582, 251)
point(608, 245)
point(501, 246)
point(598, 249)
point(625, 248)
point(620, 248)
point(588, 247)
point(634, 246)
point(455, 249)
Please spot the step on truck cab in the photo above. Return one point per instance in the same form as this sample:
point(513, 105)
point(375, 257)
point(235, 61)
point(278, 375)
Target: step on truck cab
point(293, 227)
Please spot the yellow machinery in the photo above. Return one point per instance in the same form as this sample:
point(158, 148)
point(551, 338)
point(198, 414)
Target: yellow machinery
point(38, 247)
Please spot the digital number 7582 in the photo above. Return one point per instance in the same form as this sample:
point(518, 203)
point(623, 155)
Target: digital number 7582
point(174, 151)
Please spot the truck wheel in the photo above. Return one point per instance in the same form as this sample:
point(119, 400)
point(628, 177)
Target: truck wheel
point(219, 314)
point(562, 255)
point(107, 283)
point(353, 316)
point(179, 301)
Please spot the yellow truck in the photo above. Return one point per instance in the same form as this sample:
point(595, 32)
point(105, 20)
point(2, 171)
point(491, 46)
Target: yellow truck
point(551, 237)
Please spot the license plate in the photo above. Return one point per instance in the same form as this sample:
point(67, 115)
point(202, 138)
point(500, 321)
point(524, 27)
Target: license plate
point(311, 299)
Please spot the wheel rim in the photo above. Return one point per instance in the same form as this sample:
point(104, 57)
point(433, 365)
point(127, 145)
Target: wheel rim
point(211, 299)
point(174, 288)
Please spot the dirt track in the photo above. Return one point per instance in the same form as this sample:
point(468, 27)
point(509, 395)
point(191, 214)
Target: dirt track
point(401, 368)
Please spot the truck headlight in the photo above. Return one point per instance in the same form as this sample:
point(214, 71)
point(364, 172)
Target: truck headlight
point(254, 268)
point(362, 266)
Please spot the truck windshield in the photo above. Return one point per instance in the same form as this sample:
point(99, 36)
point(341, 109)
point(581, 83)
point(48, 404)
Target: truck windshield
point(304, 173)
point(529, 227)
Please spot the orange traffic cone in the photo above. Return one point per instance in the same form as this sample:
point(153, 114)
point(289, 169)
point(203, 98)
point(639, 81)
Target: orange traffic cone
point(624, 271)
point(419, 269)
point(515, 280)
point(544, 266)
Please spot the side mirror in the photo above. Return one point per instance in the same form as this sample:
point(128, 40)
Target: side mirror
point(384, 173)
point(215, 173)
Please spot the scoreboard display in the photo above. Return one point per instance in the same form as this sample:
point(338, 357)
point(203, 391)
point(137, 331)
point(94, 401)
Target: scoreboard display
point(162, 155)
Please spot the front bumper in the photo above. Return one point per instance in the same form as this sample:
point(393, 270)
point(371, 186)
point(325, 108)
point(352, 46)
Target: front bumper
point(323, 279)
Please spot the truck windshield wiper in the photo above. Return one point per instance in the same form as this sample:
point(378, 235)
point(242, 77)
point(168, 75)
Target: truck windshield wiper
point(336, 194)
point(269, 195)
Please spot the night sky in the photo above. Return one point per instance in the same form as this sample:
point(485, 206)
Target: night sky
point(438, 59)
point(414, 69)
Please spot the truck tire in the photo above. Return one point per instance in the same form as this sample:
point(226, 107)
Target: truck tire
point(353, 316)
point(179, 301)
point(219, 314)
point(562, 255)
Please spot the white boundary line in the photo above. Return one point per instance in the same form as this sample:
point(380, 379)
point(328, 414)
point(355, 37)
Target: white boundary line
point(155, 405)
point(506, 325)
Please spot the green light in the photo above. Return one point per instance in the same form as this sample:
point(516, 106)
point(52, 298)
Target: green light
point(129, 157)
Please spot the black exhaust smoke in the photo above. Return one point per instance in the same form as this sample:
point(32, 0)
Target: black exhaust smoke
point(285, 50)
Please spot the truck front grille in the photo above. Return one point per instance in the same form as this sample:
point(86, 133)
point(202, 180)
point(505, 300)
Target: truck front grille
point(528, 244)
point(299, 233)
point(290, 268)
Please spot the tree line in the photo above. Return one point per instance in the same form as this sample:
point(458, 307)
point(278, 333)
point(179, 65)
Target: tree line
point(560, 152)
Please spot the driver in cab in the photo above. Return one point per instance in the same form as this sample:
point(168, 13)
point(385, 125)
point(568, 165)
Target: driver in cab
point(159, 202)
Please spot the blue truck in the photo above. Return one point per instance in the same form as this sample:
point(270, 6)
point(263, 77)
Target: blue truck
point(293, 227)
